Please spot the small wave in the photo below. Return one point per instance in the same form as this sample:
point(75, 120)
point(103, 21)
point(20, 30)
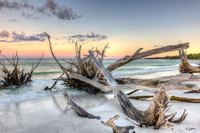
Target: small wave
point(144, 71)
point(46, 73)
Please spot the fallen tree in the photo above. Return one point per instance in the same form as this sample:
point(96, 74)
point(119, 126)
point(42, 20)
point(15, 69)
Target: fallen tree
point(171, 82)
point(81, 66)
point(138, 55)
point(155, 115)
point(80, 111)
point(182, 99)
point(185, 66)
point(83, 73)
point(16, 76)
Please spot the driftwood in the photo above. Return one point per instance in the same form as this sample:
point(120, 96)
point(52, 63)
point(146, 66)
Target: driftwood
point(82, 71)
point(106, 88)
point(80, 111)
point(16, 76)
point(180, 119)
point(82, 79)
point(185, 67)
point(193, 91)
point(182, 99)
point(154, 115)
point(170, 82)
point(138, 55)
point(81, 66)
point(47, 88)
point(117, 129)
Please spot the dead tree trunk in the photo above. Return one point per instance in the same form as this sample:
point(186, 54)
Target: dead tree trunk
point(82, 71)
point(185, 67)
point(80, 111)
point(182, 99)
point(171, 82)
point(153, 116)
point(138, 55)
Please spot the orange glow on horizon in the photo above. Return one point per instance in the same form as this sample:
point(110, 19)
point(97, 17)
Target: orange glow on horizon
point(35, 49)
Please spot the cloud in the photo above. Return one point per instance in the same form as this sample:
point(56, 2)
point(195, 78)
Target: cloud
point(49, 9)
point(41, 35)
point(51, 4)
point(30, 16)
point(86, 37)
point(17, 37)
point(12, 20)
point(4, 33)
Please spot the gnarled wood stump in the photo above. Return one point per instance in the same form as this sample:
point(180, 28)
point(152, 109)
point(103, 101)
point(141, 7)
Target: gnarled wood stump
point(185, 67)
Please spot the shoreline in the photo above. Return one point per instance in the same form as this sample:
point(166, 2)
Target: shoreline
point(46, 115)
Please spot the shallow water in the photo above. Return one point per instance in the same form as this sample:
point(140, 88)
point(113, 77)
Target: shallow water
point(48, 70)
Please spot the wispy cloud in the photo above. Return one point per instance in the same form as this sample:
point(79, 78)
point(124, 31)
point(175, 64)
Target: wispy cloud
point(29, 16)
point(49, 9)
point(12, 20)
point(86, 37)
point(17, 37)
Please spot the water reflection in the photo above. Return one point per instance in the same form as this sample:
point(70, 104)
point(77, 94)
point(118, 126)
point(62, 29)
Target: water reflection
point(16, 116)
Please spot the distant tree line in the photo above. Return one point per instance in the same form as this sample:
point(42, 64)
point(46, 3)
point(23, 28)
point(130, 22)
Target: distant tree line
point(190, 56)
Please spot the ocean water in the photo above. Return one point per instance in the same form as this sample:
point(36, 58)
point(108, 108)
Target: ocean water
point(49, 70)
point(29, 108)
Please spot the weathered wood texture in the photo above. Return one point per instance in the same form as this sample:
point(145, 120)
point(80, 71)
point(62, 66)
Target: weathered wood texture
point(182, 99)
point(16, 76)
point(171, 82)
point(138, 55)
point(80, 111)
point(153, 116)
point(82, 66)
point(84, 74)
point(118, 129)
point(107, 88)
point(185, 67)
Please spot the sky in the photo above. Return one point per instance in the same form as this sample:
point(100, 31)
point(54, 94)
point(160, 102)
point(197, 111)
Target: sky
point(125, 24)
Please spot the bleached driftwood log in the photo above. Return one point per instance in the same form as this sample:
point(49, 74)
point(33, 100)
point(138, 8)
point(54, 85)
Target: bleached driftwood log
point(182, 99)
point(185, 67)
point(107, 88)
point(171, 82)
point(138, 55)
point(80, 111)
point(193, 91)
point(117, 129)
point(16, 76)
point(154, 115)
point(47, 88)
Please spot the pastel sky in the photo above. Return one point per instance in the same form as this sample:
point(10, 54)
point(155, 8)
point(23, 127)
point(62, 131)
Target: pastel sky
point(125, 24)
